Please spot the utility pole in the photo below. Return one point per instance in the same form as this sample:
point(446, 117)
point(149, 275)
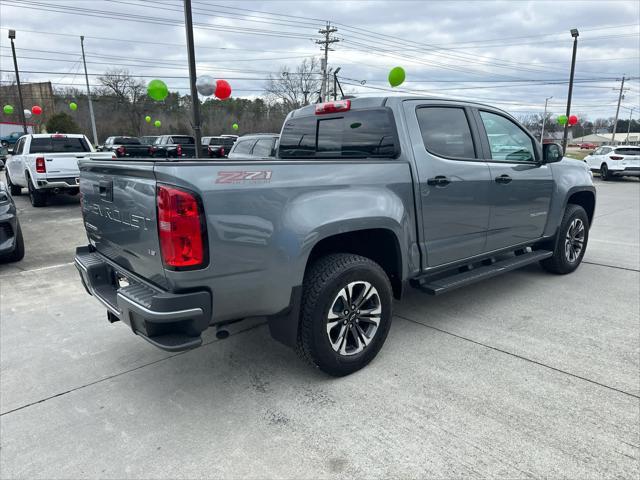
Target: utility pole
point(12, 36)
point(195, 102)
point(629, 126)
point(615, 122)
point(86, 78)
point(574, 34)
point(544, 118)
point(328, 40)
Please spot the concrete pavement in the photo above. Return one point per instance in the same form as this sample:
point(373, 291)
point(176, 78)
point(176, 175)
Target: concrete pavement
point(525, 375)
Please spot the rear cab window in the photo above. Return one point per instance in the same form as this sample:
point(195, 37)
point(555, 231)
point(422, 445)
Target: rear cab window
point(365, 133)
point(183, 140)
point(244, 146)
point(59, 144)
point(127, 141)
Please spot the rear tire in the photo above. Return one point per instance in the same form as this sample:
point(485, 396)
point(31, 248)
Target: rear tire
point(570, 243)
point(18, 252)
point(346, 313)
point(15, 190)
point(38, 199)
point(604, 172)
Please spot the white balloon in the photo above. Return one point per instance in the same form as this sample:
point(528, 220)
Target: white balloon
point(27, 113)
point(206, 85)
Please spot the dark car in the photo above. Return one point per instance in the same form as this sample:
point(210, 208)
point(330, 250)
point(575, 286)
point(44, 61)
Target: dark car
point(218, 147)
point(125, 147)
point(257, 145)
point(175, 146)
point(11, 241)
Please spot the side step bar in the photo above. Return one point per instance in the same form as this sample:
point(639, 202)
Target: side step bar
point(457, 280)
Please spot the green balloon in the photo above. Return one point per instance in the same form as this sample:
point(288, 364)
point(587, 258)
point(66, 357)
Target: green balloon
point(73, 106)
point(147, 119)
point(8, 109)
point(396, 76)
point(235, 126)
point(562, 119)
point(157, 90)
point(157, 123)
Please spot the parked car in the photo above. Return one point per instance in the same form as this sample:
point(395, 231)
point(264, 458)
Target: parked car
point(218, 147)
point(4, 153)
point(125, 147)
point(11, 139)
point(259, 145)
point(367, 197)
point(588, 146)
point(612, 161)
point(176, 146)
point(47, 164)
point(11, 241)
point(148, 139)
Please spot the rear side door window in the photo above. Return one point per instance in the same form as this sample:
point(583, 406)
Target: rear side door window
point(507, 141)
point(446, 132)
point(19, 147)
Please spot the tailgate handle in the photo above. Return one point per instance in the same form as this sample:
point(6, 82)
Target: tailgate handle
point(106, 190)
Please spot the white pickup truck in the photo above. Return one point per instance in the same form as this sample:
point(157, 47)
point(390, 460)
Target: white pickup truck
point(47, 164)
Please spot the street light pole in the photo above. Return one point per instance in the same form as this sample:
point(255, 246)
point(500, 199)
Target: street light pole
point(86, 78)
point(574, 34)
point(195, 102)
point(544, 118)
point(12, 36)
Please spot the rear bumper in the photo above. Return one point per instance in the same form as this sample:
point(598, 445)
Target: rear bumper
point(60, 182)
point(626, 171)
point(172, 322)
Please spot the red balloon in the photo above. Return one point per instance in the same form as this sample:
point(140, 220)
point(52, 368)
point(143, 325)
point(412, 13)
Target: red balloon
point(223, 89)
point(36, 110)
point(573, 120)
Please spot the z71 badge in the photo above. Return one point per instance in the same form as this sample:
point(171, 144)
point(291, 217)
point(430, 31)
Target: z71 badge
point(261, 176)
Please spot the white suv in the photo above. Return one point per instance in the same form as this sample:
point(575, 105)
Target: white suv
point(610, 161)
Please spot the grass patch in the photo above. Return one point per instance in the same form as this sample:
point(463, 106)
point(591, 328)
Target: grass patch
point(577, 155)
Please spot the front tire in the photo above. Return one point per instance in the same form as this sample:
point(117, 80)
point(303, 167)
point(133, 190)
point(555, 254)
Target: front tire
point(18, 252)
point(346, 313)
point(570, 243)
point(38, 199)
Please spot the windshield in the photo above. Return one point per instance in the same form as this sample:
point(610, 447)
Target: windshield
point(148, 140)
point(628, 151)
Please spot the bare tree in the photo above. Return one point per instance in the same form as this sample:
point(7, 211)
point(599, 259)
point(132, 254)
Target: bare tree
point(297, 88)
point(129, 92)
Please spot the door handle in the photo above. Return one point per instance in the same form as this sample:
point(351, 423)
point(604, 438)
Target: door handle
point(504, 179)
point(439, 181)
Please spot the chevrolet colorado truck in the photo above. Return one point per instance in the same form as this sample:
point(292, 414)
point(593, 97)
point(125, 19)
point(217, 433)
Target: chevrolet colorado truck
point(367, 197)
point(125, 147)
point(47, 164)
point(176, 146)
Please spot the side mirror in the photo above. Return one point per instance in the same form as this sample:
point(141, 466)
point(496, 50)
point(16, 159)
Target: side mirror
point(551, 153)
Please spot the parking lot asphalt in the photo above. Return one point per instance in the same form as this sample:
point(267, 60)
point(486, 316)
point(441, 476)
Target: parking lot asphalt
point(524, 375)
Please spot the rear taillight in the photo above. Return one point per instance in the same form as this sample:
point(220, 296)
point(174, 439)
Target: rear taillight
point(121, 151)
point(209, 149)
point(333, 107)
point(180, 228)
point(222, 151)
point(179, 150)
point(40, 165)
point(616, 157)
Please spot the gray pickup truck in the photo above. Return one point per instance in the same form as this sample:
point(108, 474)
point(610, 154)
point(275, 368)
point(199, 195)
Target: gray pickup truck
point(366, 197)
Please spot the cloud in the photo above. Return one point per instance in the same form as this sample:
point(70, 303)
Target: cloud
point(511, 54)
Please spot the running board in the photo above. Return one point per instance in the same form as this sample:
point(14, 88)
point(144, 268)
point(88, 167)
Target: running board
point(457, 280)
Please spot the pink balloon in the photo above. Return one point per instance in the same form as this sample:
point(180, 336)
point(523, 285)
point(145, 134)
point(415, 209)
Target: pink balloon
point(223, 89)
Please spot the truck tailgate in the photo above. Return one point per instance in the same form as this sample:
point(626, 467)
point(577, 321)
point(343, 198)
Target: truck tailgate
point(119, 211)
point(62, 164)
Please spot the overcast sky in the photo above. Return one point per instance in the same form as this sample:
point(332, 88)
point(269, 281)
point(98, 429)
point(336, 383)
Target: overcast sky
point(512, 54)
